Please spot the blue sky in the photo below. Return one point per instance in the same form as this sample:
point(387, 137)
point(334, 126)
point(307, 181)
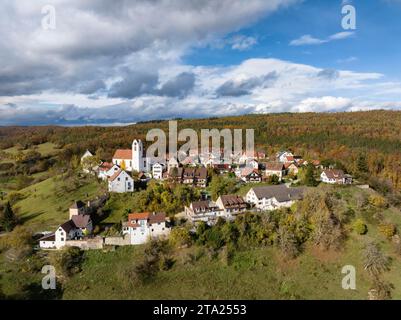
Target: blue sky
point(376, 45)
point(124, 61)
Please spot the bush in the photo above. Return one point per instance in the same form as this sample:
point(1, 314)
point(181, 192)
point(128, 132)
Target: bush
point(378, 201)
point(69, 261)
point(180, 237)
point(387, 230)
point(360, 227)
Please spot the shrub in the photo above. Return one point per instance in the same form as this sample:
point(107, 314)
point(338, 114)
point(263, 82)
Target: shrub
point(360, 227)
point(378, 201)
point(68, 262)
point(387, 230)
point(375, 261)
point(180, 237)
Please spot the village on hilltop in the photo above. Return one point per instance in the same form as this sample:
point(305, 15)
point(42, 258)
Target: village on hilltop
point(252, 169)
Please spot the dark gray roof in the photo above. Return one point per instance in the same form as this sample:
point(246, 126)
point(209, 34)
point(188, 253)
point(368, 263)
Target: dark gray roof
point(281, 192)
point(68, 225)
point(77, 205)
point(81, 221)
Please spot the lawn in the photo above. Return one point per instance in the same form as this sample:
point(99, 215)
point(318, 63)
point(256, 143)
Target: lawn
point(253, 274)
point(41, 209)
point(45, 149)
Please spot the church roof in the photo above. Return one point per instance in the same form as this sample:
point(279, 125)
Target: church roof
point(125, 154)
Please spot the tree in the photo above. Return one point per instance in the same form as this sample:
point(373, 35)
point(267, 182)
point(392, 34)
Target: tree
point(361, 164)
point(123, 165)
point(68, 261)
point(8, 220)
point(180, 237)
point(273, 179)
point(309, 178)
point(287, 242)
point(19, 243)
point(375, 261)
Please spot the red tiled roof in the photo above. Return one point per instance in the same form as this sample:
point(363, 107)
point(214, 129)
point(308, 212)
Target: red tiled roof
point(149, 216)
point(123, 154)
point(274, 166)
point(106, 166)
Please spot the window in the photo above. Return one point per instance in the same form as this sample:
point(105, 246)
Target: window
point(118, 179)
point(153, 230)
point(126, 178)
point(62, 239)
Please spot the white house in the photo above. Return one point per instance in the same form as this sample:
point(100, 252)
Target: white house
point(285, 156)
point(206, 211)
point(273, 197)
point(86, 155)
point(254, 164)
point(48, 241)
point(143, 226)
point(275, 168)
point(157, 171)
point(107, 169)
point(121, 182)
point(172, 163)
point(248, 174)
point(335, 176)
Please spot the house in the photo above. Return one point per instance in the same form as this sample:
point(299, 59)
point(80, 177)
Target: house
point(143, 177)
point(77, 208)
point(83, 222)
point(121, 182)
point(193, 176)
point(292, 168)
point(248, 175)
point(231, 205)
point(172, 163)
point(275, 169)
point(143, 226)
point(107, 169)
point(87, 154)
point(285, 156)
point(206, 211)
point(157, 171)
point(317, 164)
point(335, 176)
point(222, 168)
point(48, 241)
point(73, 229)
point(273, 197)
point(254, 164)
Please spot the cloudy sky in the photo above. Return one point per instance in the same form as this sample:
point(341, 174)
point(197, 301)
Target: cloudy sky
point(108, 62)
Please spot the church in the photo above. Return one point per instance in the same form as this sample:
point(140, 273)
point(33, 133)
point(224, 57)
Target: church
point(131, 159)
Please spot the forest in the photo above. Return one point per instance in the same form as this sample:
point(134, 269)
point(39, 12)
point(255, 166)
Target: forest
point(365, 144)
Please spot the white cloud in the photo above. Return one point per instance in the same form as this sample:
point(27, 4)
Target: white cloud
point(307, 39)
point(241, 43)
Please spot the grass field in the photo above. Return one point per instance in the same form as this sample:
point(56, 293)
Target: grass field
point(41, 209)
point(45, 149)
point(252, 274)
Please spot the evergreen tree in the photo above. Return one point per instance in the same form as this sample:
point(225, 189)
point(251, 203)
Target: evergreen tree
point(362, 165)
point(308, 178)
point(8, 220)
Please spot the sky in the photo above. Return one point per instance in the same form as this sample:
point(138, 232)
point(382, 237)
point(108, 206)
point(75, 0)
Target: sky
point(116, 62)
